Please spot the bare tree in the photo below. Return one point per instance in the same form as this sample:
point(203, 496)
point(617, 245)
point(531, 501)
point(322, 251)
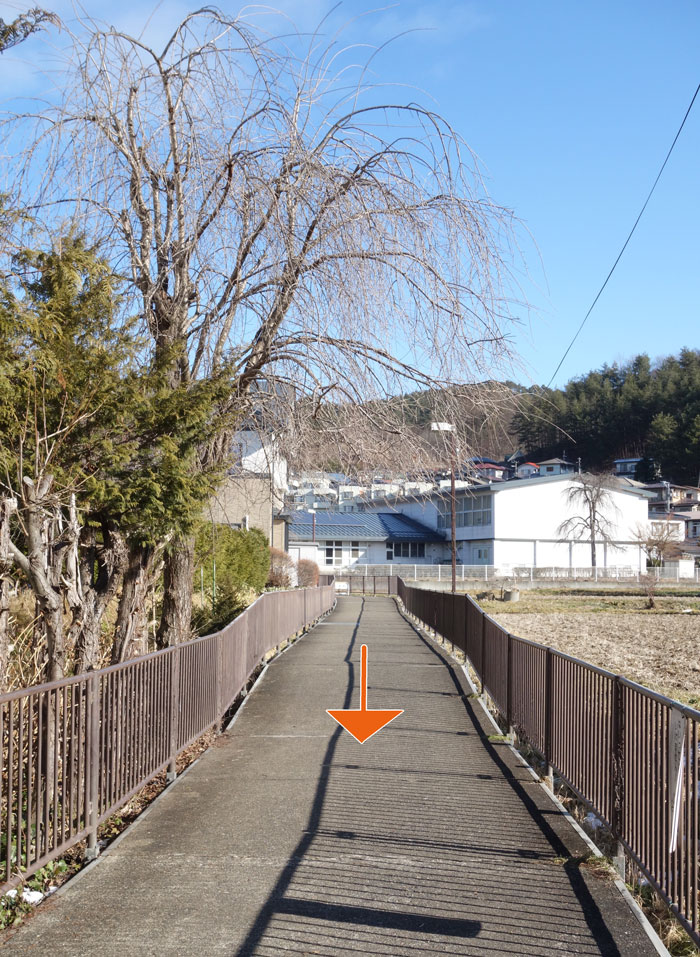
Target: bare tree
point(276, 223)
point(659, 540)
point(590, 498)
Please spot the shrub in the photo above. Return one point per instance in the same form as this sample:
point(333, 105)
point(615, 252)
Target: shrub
point(307, 573)
point(281, 569)
point(242, 559)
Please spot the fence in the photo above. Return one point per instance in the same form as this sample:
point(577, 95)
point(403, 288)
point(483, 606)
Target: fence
point(74, 750)
point(367, 584)
point(521, 573)
point(629, 753)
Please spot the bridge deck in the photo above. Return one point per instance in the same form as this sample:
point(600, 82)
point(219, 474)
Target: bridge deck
point(290, 837)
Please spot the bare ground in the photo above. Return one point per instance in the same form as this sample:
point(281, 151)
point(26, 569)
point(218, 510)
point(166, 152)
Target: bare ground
point(659, 650)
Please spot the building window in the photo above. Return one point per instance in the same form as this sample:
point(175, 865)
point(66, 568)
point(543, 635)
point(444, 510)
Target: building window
point(472, 511)
point(355, 549)
point(550, 468)
point(405, 550)
point(334, 553)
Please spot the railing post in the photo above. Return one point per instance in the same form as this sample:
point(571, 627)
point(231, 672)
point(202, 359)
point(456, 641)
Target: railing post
point(548, 684)
point(93, 761)
point(483, 652)
point(509, 688)
point(220, 675)
point(171, 773)
point(617, 775)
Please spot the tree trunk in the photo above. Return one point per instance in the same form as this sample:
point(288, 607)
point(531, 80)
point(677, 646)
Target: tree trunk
point(42, 566)
point(131, 633)
point(51, 606)
point(101, 570)
point(7, 507)
point(178, 572)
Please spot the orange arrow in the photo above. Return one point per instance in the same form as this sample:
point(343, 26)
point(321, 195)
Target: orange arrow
point(363, 722)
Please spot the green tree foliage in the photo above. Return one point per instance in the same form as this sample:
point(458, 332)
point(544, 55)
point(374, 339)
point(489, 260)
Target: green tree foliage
point(636, 409)
point(74, 397)
point(92, 440)
point(238, 560)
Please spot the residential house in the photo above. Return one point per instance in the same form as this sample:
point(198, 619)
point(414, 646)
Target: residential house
point(556, 467)
point(527, 470)
point(490, 471)
point(626, 467)
point(667, 495)
point(350, 495)
point(312, 498)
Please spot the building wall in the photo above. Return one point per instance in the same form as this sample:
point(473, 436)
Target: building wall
point(248, 501)
point(525, 527)
point(260, 455)
point(370, 553)
point(535, 512)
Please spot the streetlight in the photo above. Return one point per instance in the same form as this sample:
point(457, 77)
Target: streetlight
point(448, 427)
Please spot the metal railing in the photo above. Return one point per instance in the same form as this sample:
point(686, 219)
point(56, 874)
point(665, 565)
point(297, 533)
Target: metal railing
point(521, 573)
point(367, 584)
point(629, 753)
point(75, 750)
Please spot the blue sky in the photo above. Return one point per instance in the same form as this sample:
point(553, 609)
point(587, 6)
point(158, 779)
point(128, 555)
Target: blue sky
point(571, 108)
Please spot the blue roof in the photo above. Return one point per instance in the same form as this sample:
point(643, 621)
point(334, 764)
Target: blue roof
point(365, 526)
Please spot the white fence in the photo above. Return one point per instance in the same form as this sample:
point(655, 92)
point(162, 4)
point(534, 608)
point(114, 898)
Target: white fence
point(521, 573)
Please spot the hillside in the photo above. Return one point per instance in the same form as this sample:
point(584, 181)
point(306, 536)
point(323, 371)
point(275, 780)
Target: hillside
point(621, 411)
point(394, 434)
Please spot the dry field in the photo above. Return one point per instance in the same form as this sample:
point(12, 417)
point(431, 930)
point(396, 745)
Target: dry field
point(658, 648)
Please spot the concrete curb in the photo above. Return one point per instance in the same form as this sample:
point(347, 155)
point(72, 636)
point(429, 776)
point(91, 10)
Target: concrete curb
point(654, 938)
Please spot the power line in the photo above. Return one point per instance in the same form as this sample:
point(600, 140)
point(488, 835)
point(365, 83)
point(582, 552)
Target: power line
point(631, 233)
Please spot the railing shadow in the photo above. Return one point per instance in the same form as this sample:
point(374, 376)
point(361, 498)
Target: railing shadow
point(538, 814)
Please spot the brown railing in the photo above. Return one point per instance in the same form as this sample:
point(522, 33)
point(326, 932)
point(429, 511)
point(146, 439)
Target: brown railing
point(368, 584)
point(75, 750)
point(630, 754)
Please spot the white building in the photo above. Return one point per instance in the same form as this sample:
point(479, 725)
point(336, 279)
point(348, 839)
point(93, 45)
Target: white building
point(341, 539)
point(258, 453)
point(350, 495)
point(519, 523)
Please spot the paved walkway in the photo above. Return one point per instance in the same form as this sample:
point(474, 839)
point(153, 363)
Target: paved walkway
point(289, 837)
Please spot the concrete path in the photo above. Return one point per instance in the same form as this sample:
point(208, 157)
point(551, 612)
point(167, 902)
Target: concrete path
point(289, 837)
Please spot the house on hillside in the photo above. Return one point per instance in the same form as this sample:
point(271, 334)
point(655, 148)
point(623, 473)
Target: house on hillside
point(519, 523)
point(342, 539)
point(490, 471)
point(667, 495)
point(626, 467)
point(527, 470)
point(556, 467)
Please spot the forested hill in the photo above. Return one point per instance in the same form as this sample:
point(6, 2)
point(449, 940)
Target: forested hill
point(636, 409)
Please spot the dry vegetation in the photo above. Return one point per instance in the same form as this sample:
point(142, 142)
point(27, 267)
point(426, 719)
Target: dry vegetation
point(659, 648)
